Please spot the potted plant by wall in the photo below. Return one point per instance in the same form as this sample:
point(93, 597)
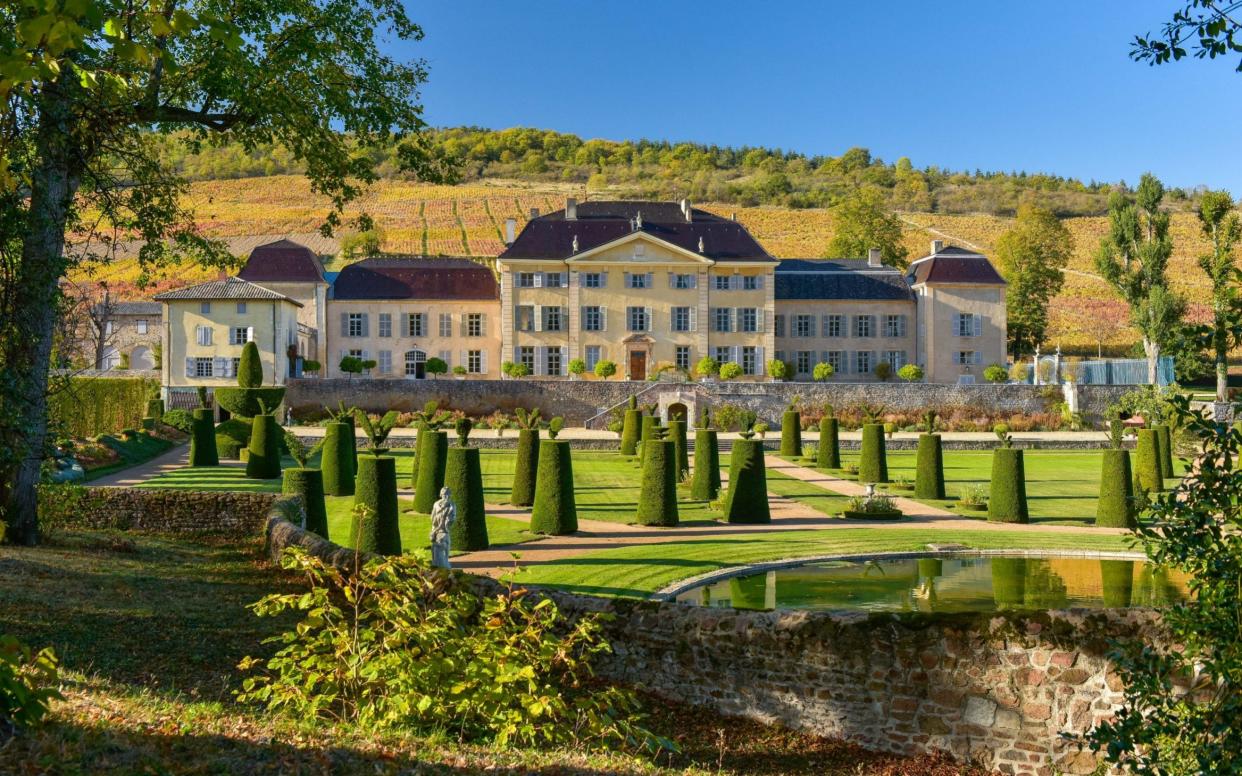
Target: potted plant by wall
point(911, 373)
point(576, 367)
point(605, 369)
point(730, 371)
point(872, 506)
point(459, 372)
point(973, 498)
point(437, 366)
point(997, 374)
point(822, 372)
point(707, 369)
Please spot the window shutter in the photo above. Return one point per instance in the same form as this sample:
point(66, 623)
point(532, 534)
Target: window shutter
point(344, 324)
point(694, 319)
point(250, 334)
point(220, 367)
point(977, 325)
point(538, 314)
point(603, 318)
point(189, 367)
point(603, 279)
point(483, 324)
point(483, 361)
point(735, 354)
point(366, 324)
point(735, 282)
point(538, 279)
point(465, 360)
point(564, 363)
point(733, 315)
point(694, 281)
point(672, 280)
point(647, 314)
point(650, 280)
point(760, 314)
point(759, 282)
point(760, 364)
point(626, 279)
point(541, 360)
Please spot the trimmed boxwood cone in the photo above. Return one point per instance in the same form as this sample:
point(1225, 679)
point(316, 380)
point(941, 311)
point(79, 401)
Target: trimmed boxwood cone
point(873, 459)
point(1009, 582)
point(1147, 462)
point(463, 476)
point(1115, 508)
point(351, 439)
point(677, 433)
point(1164, 442)
point(334, 461)
point(747, 498)
point(203, 442)
point(1007, 500)
point(524, 474)
point(828, 456)
point(1117, 583)
point(556, 510)
point(431, 461)
point(657, 498)
point(791, 434)
point(630, 427)
point(420, 430)
point(263, 462)
point(649, 425)
point(929, 468)
point(377, 490)
point(705, 486)
point(308, 483)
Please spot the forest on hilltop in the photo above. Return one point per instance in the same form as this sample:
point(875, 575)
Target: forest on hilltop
point(746, 176)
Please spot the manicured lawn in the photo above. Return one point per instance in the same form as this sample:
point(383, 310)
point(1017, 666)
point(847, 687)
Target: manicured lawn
point(807, 494)
point(640, 570)
point(133, 451)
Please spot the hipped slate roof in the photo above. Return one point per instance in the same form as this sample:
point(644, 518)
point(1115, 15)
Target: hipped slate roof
point(839, 279)
point(598, 223)
point(229, 288)
point(283, 261)
point(416, 278)
point(136, 308)
point(954, 265)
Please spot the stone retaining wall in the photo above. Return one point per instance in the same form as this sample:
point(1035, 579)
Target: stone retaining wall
point(236, 515)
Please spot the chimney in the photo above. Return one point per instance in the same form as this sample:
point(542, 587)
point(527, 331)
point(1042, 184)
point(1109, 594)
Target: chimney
point(510, 227)
point(571, 209)
point(534, 213)
point(937, 246)
point(685, 209)
point(873, 258)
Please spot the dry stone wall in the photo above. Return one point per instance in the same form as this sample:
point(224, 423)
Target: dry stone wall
point(237, 515)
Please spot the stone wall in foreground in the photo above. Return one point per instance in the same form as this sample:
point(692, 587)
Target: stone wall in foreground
point(236, 515)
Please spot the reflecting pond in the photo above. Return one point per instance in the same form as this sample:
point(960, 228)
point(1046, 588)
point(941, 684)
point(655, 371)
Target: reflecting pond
point(956, 583)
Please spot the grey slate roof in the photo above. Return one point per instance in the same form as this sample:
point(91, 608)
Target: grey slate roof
point(839, 279)
point(136, 308)
point(229, 288)
point(954, 265)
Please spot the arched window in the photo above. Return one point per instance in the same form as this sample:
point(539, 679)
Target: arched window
point(415, 364)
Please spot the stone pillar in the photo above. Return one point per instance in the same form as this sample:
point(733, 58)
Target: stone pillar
point(575, 316)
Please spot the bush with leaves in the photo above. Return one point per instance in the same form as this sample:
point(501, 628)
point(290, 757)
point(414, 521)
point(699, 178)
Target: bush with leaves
point(730, 370)
point(883, 371)
point(779, 370)
point(707, 367)
point(822, 372)
point(377, 429)
point(435, 366)
point(996, 374)
point(911, 373)
point(179, 419)
point(398, 646)
point(28, 684)
point(605, 369)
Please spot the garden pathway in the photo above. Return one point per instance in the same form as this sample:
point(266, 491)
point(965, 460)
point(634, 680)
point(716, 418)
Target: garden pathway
point(168, 461)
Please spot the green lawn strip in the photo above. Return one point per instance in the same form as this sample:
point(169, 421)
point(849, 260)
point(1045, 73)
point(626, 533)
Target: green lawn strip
point(639, 570)
point(136, 450)
point(808, 494)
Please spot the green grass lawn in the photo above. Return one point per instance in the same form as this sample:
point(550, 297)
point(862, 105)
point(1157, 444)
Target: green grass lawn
point(823, 501)
point(133, 451)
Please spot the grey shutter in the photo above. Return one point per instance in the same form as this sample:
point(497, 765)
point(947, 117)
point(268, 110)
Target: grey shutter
point(220, 367)
point(603, 279)
point(977, 324)
point(483, 324)
point(650, 283)
point(650, 322)
point(626, 279)
point(537, 314)
point(603, 318)
point(694, 316)
point(694, 281)
point(366, 324)
point(672, 280)
point(564, 362)
point(760, 366)
point(189, 367)
point(760, 313)
point(405, 324)
point(344, 324)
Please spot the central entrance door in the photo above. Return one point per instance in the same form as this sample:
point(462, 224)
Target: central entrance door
point(638, 365)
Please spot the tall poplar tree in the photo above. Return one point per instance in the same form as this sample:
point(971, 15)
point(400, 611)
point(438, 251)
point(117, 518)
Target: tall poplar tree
point(1222, 228)
point(1032, 256)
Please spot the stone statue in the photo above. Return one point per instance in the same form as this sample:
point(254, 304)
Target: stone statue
point(443, 515)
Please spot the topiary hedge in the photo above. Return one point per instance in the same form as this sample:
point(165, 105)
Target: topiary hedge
point(182, 420)
point(705, 485)
point(1115, 507)
point(232, 436)
point(657, 497)
point(649, 425)
point(463, 476)
point(420, 428)
point(556, 507)
point(677, 433)
point(250, 368)
point(746, 501)
point(334, 461)
point(432, 457)
point(791, 434)
point(630, 429)
point(929, 468)
point(873, 458)
point(377, 530)
point(1147, 474)
point(527, 468)
point(308, 483)
point(828, 455)
point(263, 462)
point(1007, 500)
point(1164, 442)
point(351, 440)
point(248, 402)
point(203, 440)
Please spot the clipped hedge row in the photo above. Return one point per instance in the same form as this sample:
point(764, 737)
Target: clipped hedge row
point(90, 406)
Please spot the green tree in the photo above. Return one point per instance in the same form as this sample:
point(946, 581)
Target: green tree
point(362, 245)
point(605, 369)
point(822, 372)
point(1032, 257)
point(1222, 228)
point(1133, 258)
point(88, 90)
point(862, 222)
point(435, 366)
point(1214, 27)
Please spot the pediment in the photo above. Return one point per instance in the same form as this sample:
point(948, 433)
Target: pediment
point(639, 248)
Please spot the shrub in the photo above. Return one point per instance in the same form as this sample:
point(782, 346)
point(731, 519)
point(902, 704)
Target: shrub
point(1019, 372)
point(263, 462)
point(181, 420)
point(729, 417)
point(883, 371)
point(730, 370)
point(778, 370)
point(973, 496)
point(707, 367)
point(1164, 449)
point(463, 476)
point(232, 436)
point(310, 366)
point(435, 366)
point(432, 459)
point(249, 402)
point(605, 369)
point(28, 684)
point(822, 372)
point(650, 427)
point(911, 373)
point(677, 433)
point(657, 498)
point(1115, 508)
point(576, 367)
point(308, 483)
point(1007, 502)
point(375, 526)
point(1147, 475)
point(791, 434)
point(155, 408)
point(203, 440)
point(929, 468)
point(996, 374)
point(556, 508)
point(351, 365)
point(524, 474)
point(88, 406)
point(828, 454)
point(630, 431)
point(509, 668)
point(249, 367)
point(705, 485)
point(746, 501)
point(873, 458)
point(460, 371)
point(335, 461)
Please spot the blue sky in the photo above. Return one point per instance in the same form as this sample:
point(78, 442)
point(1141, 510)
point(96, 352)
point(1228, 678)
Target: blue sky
point(1045, 86)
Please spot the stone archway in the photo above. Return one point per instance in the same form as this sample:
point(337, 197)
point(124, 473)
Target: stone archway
point(675, 400)
point(678, 411)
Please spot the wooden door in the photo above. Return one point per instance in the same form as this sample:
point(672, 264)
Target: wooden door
point(638, 365)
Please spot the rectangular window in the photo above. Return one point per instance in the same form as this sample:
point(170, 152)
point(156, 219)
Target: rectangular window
point(683, 281)
point(446, 324)
point(142, 326)
point(592, 318)
point(967, 357)
point(750, 282)
point(526, 280)
point(748, 319)
point(750, 360)
point(236, 362)
point(778, 324)
point(385, 325)
point(241, 308)
point(803, 362)
point(553, 362)
point(835, 359)
point(357, 353)
point(894, 326)
point(553, 320)
point(474, 362)
point(722, 319)
point(526, 357)
point(637, 318)
point(474, 324)
point(721, 282)
point(592, 357)
point(723, 354)
point(203, 336)
point(969, 325)
point(385, 362)
point(896, 359)
point(355, 325)
point(525, 318)
point(416, 325)
point(681, 356)
point(552, 280)
point(593, 280)
point(862, 362)
point(834, 325)
point(203, 367)
point(681, 319)
point(639, 280)
point(804, 326)
point(204, 308)
point(864, 326)
point(239, 335)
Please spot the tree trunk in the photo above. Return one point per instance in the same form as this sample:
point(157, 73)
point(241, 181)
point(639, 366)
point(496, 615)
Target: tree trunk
point(1220, 343)
point(54, 182)
point(1152, 349)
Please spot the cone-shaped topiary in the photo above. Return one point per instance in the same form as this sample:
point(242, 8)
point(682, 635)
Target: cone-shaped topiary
point(791, 434)
point(1117, 583)
point(432, 455)
point(463, 476)
point(249, 367)
point(747, 498)
point(929, 468)
point(263, 462)
point(420, 428)
point(351, 439)
point(203, 440)
point(630, 432)
point(378, 531)
point(1164, 441)
point(1115, 508)
point(1147, 473)
point(1009, 582)
point(873, 459)
point(705, 485)
point(677, 433)
point(556, 508)
point(527, 468)
point(334, 461)
point(1007, 501)
point(649, 425)
point(657, 498)
point(308, 483)
point(828, 456)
